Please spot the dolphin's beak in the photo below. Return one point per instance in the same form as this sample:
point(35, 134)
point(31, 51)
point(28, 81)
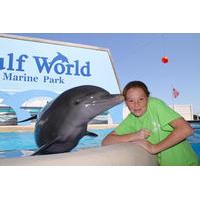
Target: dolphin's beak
point(109, 100)
point(118, 97)
point(113, 99)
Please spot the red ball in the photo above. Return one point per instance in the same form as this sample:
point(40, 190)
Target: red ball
point(165, 59)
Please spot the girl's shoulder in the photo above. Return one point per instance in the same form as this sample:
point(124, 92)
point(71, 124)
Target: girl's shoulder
point(156, 103)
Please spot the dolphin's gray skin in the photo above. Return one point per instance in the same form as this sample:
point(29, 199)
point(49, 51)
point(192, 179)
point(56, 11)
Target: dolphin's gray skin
point(63, 122)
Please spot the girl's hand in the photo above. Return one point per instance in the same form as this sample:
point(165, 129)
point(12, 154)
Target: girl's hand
point(143, 134)
point(151, 148)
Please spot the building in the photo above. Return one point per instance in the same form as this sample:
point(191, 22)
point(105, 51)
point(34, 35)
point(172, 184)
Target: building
point(185, 110)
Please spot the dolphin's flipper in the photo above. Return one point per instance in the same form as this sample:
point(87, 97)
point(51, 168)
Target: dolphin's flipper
point(28, 119)
point(91, 134)
point(40, 151)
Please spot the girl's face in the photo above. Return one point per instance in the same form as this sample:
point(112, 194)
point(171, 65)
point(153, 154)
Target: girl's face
point(136, 100)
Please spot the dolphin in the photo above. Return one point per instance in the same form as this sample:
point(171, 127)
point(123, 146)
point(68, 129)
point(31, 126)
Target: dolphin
point(59, 57)
point(63, 122)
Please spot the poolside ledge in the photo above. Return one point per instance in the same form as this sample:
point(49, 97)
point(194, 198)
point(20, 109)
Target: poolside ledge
point(30, 128)
point(123, 154)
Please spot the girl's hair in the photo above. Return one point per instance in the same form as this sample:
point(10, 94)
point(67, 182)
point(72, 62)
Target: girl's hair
point(136, 84)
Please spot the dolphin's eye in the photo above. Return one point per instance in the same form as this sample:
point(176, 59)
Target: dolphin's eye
point(77, 102)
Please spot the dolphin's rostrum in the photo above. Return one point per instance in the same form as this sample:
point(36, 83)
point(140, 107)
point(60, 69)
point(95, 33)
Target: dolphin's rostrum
point(63, 122)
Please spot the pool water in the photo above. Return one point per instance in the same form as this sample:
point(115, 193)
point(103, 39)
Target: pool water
point(17, 141)
point(194, 139)
point(23, 144)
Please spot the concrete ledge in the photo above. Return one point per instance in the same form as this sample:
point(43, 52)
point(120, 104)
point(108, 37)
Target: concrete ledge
point(30, 128)
point(124, 154)
point(17, 128)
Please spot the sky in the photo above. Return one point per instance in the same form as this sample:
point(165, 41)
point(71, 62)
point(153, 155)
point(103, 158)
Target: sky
point(137, 56)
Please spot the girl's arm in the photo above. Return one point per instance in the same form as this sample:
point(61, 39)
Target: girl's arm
point(182, 130)
point(113, 138)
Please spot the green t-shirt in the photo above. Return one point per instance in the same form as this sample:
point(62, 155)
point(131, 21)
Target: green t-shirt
point(156, 119)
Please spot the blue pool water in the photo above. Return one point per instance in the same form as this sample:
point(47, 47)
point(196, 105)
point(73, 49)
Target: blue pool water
point(22, 144)
point(194, 139)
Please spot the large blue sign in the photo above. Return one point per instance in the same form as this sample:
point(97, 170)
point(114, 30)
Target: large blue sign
point(35, 66)
point(28, 65)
